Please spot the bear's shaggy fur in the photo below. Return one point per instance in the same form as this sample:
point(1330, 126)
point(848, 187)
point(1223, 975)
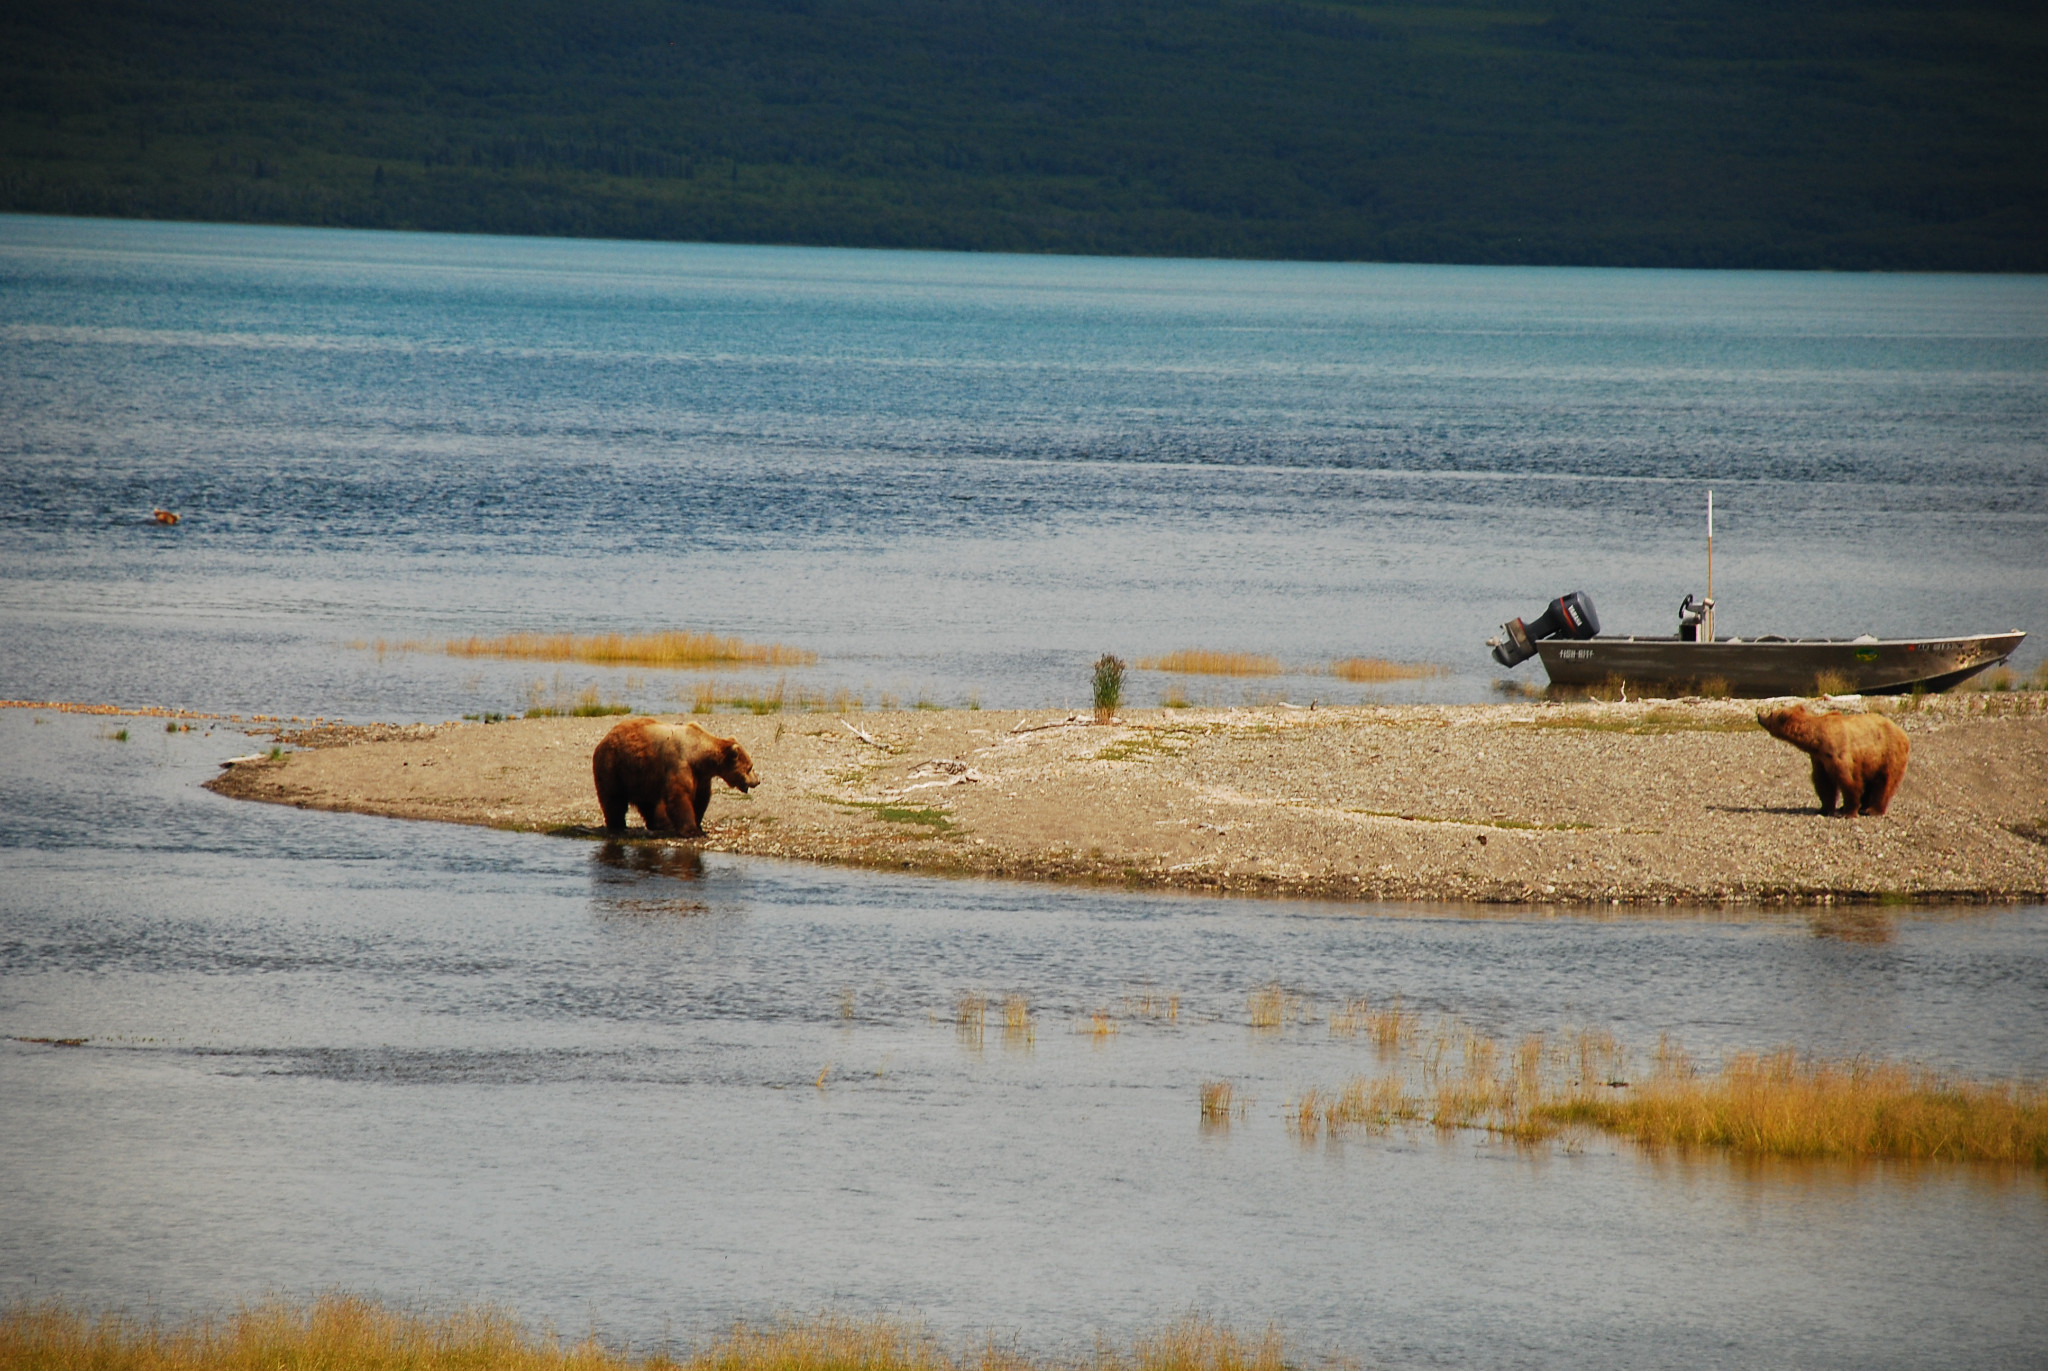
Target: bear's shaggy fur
point(1862, 756)
point(664, 771)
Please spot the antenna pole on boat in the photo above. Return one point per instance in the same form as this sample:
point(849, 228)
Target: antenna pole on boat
point(1707, 617)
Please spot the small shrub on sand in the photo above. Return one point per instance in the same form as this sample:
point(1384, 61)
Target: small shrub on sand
point(1375, 669)
point(1109, 686)
point(1200, 662)
point(1832, 683)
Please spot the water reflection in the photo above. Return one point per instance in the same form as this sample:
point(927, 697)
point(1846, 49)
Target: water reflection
point(638, 878)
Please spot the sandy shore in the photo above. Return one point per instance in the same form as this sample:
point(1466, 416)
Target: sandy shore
point(1538, 803)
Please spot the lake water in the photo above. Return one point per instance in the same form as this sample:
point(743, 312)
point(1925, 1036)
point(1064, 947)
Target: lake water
point(649, 1094)
point(962, 476)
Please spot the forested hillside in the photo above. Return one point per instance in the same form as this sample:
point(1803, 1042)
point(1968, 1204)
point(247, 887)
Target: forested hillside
point(1622, 132)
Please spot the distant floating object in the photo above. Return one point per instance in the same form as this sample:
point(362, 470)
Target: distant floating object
point(163, 516)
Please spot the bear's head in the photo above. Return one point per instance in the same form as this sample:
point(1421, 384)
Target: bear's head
point(735, 767)
point(1786, 721)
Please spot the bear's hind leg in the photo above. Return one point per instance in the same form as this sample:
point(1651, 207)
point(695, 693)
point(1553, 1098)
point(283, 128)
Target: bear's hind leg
point(1878, 792)
point(614, 814)
point(1823, 785)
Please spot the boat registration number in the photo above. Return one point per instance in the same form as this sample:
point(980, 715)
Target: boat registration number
point(1577, 654)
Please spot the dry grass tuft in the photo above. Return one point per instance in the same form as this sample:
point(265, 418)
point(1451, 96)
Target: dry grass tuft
point(1219, 1102)
point(1373, 669)
point(345, 1333)
point(1101, 1027)
point(1200, 662)
point(1153, 1004)
point(1780, 1105)
point(1832, 683)
point(970, 1018)
point(1272, 1007)
point(1018, 1030)
point(1777, 1104)
point(670, 649)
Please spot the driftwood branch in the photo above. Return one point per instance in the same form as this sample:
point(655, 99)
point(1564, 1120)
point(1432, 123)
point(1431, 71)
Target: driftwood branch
point(870, 739)
point(1068, 722)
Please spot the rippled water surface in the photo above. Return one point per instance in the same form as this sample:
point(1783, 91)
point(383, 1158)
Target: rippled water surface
point(959, 475)
point(649, 1093)
point(442, 1062)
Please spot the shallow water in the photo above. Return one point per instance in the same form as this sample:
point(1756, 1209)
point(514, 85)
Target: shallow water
point(437, 1062)
point(963, 476)
point(647, 1094)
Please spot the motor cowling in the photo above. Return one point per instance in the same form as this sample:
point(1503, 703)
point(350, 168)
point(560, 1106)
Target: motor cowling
point(1568, 616)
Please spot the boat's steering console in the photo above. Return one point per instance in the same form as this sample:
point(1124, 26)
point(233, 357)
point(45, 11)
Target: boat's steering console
point(1568, 616)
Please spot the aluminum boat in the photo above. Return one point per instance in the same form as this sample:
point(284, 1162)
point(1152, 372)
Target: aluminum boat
point(1771, 665)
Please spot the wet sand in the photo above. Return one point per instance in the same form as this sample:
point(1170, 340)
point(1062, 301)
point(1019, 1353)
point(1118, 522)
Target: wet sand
point(1668, 802)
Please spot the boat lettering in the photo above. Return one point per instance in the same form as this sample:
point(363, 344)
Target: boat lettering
point(1577, 654)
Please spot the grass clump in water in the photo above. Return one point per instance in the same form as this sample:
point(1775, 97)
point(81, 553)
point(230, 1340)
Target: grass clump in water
point(1196, 661)
point(347, 1333)
point(1377, 669)
point(1270, 1007)
point(1777, 1104)
point(1785, 1106)
point(666, 649)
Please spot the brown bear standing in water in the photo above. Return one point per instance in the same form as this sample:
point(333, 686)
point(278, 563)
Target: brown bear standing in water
point(664, 771)
point(1861, 755)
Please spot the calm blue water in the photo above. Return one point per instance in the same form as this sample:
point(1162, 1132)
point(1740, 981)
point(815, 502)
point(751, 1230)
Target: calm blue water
point(961, 475)
point(442, 1063)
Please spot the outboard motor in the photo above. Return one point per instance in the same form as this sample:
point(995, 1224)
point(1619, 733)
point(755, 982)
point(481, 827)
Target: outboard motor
point(1569, 616)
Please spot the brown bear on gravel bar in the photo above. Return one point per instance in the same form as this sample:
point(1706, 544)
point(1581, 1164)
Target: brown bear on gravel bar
point(664, 771)
point(1861, 755)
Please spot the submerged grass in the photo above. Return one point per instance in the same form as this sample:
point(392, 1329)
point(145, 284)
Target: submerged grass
point(1373, 669)
point(1778, 1104)
point(347, 1333)
point(1785, 1106)
point(1196, 661)
point(669, 649)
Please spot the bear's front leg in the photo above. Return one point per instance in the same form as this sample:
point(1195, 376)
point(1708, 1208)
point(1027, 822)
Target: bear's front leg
point(1823, 785)
point(682, 809)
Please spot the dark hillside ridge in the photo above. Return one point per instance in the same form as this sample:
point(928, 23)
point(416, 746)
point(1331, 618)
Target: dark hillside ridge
point(1715, 133)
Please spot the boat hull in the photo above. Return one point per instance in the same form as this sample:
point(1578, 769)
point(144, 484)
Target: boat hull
point(1867, 666)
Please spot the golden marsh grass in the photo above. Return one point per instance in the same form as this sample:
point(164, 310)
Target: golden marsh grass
point(1375, 669)
point(1785, 1106)
point(1202, 662)
point(1153, 1004)
point(1270, 1007)
point(347, 1333)
point(1018, 1029)
point(669, 649)
point(1777, 1104)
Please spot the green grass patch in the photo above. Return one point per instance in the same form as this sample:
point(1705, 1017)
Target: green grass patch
point(923, 816)
point(1139, 746)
